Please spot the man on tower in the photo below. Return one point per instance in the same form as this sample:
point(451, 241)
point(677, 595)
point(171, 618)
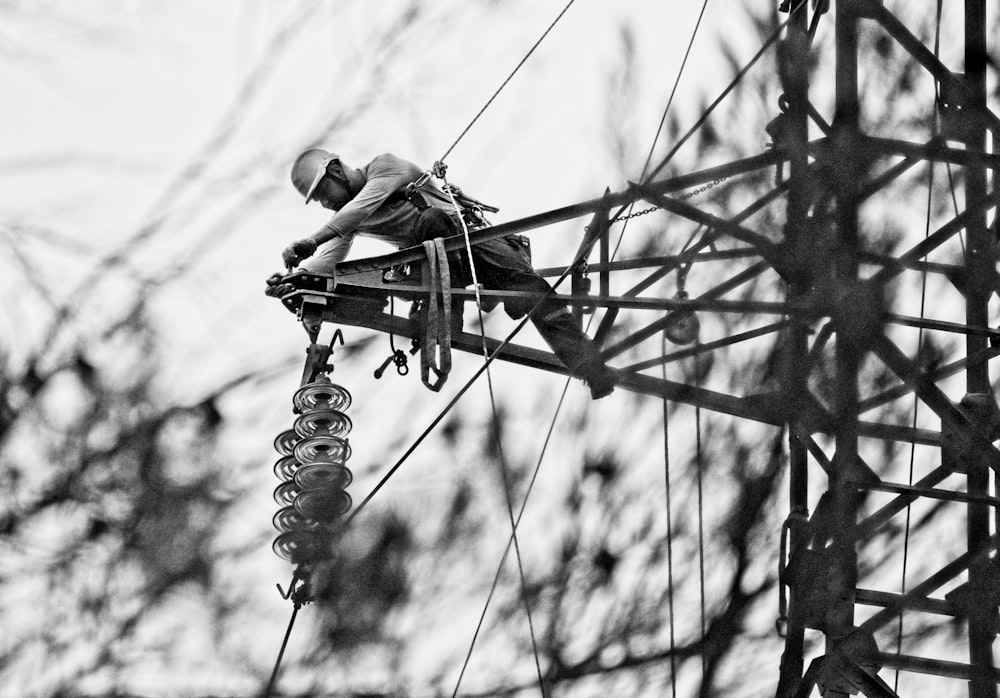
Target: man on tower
point(375, 201)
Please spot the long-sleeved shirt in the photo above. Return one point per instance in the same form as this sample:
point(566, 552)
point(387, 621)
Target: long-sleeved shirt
point(370, 214)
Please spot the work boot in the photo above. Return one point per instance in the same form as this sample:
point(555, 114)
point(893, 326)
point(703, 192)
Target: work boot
point(601, 381)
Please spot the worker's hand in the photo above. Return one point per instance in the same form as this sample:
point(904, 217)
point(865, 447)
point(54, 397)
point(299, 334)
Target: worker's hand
point(297, 251)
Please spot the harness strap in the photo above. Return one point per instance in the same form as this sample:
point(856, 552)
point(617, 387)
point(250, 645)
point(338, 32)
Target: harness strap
point(435, 355)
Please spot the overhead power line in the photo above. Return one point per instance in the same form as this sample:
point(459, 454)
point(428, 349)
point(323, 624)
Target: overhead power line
point(504, 83)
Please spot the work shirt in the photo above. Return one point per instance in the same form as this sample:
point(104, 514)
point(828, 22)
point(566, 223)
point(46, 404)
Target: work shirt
point(372, 215)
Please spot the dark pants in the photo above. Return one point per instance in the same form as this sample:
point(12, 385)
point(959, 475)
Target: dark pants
point(503, 264)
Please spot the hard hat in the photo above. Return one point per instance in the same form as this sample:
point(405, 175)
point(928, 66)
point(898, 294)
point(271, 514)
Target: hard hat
point(309, 169)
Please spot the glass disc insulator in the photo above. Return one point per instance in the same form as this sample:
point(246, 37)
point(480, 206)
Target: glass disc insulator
point(285, 493)
point(332, 476)
point(323, 423)
point(321, 394)
point(291, 519)
point(323, 505)
point(296, 545)
point(322, 449)
point(285, 442)
point(285, 467)
point(682, 326)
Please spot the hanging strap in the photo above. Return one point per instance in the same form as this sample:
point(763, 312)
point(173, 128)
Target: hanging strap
point(435, 355)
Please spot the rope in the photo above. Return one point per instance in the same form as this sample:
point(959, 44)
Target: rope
point(670, 530)
point(281, 652)
point(504, 84)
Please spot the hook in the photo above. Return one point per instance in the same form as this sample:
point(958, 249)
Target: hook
point(291, 587)
point(398, 357)
point(385, 364)
point(682, 272)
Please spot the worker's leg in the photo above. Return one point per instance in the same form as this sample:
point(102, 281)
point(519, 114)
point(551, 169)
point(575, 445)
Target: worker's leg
point(502, 264)
point(436, 223)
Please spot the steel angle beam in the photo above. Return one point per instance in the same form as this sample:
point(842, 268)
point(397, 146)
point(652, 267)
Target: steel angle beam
point(972, 441)
point(872, 597)
point(933, 376)
point(658, 262)
point(943, 326)
point(766, 248)
point(935, 667)
point(935, 150)
point(708, 347)
point(933, 493)
point(566, 213)
point(930, 584)
point(924, 56)
point(936, 239)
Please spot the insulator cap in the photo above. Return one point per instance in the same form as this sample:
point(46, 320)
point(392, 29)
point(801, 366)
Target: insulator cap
point(321, 394)
point(323, 505)
point(323, 423)
point(285, 442)
point(330, 476)
point(285, 493)
point(322, 449)
point(290, 519)
point(296, 546)
point(285, 467)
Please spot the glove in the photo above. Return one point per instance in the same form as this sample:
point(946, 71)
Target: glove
point(277, 287)
point(297, 251)
point(279, 291)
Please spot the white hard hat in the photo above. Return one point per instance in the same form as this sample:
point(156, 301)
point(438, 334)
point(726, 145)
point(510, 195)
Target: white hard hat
point(309, 169)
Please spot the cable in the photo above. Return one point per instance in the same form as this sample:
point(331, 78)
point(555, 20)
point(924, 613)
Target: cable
point(673, 90)
point(281, 652)
point(504, 84)
point(670, 530)
point(500, 455)
point(666, 420)
point(920, 338)
point(729, 88)
point(430, 427)
point(510, 540)
point(701, 515)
